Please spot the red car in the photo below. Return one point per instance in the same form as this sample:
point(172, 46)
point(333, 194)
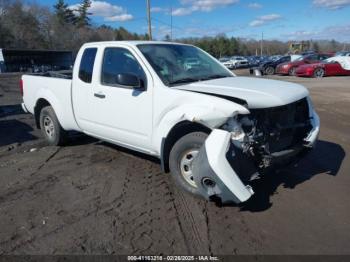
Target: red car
point(290, 68)
point(325, 68)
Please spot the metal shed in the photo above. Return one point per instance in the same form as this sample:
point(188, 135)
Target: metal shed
point(16, 60)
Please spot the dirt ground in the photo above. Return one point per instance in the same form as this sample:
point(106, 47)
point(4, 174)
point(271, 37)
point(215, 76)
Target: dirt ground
point(93, 198)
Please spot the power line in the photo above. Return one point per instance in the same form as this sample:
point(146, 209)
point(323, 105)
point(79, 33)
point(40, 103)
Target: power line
point(167, 24)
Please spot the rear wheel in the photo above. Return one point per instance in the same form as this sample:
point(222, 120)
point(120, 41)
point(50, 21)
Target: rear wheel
point(292, 71)
point(181, 158)
point(54, 134)
point(319, 73)
point(270, 70)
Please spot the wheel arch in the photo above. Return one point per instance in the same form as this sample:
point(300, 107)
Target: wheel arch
point(179, 130)
point(40, 104)
point(319, 68)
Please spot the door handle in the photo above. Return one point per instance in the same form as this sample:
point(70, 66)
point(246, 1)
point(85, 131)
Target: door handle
point(100, 95)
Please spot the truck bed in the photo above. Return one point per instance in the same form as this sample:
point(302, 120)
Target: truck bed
point(66, 74)
point(55, 87)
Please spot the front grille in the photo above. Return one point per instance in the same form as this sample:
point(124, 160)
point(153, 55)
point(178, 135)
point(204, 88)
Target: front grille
point(283, 127)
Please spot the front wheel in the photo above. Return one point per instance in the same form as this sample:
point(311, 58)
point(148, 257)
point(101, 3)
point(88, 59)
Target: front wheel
point(181, 158)
point(292, 71)
point(319, 73)
point(54, 134)
point(270, 70)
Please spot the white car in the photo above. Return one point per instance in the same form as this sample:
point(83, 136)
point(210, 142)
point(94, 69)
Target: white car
point(239, 61)
point(214, 131)
point(227, 63)
point(295, 57)
point(343, 53)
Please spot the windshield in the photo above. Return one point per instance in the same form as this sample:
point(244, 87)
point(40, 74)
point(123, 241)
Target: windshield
point(300, 58)
point(330, 60)
point(181, 64)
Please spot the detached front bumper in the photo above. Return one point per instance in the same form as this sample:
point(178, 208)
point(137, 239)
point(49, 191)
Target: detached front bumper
point(213, 173)
point(220, 165)
point(311, 139)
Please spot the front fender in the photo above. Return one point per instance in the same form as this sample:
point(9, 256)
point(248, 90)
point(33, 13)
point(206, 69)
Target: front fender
point(209, 116)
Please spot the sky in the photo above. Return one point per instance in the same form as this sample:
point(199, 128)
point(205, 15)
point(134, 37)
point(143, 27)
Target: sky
point(275, 19)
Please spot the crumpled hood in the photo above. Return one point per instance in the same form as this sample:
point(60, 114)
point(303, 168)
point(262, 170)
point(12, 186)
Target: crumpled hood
point(259, 93)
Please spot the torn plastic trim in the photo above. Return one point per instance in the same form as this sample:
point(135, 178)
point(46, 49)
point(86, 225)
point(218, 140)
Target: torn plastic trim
point(312, 137)
point(214, 175)
point(24, 108)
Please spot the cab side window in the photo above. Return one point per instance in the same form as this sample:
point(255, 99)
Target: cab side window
point(323, 57)
point(87, 64)
point(120, 61)
point(313, 58)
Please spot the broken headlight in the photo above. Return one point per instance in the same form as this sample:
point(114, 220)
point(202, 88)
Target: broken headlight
point(239, 127)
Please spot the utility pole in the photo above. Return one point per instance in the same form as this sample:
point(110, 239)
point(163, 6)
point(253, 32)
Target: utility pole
point(171, 23)
point(149, 20)
point(261, 43)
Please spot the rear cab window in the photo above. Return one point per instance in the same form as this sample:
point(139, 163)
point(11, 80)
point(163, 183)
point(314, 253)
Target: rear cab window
point(87, 64)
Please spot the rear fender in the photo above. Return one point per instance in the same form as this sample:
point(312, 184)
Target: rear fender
point(53, 101)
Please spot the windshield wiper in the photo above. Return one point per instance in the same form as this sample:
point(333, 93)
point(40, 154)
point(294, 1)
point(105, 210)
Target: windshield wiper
point(214, 77)
point(184, 81)
point(191, 80)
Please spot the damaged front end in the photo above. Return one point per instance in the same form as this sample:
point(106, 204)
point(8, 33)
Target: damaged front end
point(245, 145)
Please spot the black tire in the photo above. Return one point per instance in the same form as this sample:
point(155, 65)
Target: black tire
point(319, 73)
point(292, 71)
point(187, 143)
point(54, 134)
point(270, 70)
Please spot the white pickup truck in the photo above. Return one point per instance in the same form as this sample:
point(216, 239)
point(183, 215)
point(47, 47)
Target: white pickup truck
point(213, 131)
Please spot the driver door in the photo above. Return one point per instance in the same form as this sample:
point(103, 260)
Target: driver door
point(120, 113)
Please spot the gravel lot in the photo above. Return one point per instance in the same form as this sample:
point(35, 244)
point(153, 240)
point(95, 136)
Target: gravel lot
point(93, 198)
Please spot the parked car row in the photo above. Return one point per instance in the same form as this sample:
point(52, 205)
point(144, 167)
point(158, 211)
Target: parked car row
point(309, 64)
point(333, 66)
point(235, 62)
point(289, 68)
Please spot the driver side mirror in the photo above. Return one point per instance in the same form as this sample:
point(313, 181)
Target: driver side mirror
point(129, 80)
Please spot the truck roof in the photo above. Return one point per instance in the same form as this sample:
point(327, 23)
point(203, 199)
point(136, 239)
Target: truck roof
point(131, 43)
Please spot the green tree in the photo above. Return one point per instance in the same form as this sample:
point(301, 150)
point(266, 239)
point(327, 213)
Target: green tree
point(334, 45)
point(5, 35)
point(63, 13)
point(83, 17)
point(316, 47)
